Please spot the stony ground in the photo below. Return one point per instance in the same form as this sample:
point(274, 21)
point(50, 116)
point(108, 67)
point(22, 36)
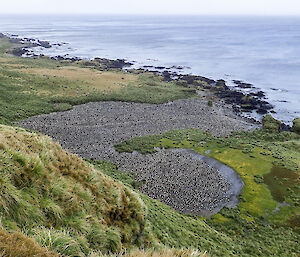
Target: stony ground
point(189, 185)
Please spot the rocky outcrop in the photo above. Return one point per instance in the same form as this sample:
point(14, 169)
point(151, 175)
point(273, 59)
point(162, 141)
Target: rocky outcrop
point(242, 84)
point(44, 44)
point(19, 51)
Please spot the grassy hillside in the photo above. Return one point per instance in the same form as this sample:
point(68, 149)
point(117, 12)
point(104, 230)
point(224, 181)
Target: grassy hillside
point(56, 197)
point(71, 208)
point(68, 206)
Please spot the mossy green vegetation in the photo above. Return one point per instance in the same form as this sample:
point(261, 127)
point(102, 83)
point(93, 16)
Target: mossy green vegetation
point(268, 163)
point(296, 125)
point(270, 124)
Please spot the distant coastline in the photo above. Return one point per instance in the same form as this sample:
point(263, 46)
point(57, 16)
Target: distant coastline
point(262, 51)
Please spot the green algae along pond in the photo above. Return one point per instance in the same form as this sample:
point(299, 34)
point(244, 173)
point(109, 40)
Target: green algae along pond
point(268, 163)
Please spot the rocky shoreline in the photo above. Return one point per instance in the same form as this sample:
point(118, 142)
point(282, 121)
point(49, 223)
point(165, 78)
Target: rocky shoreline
point(241, 102)
point(27, 45)
point(187, 184)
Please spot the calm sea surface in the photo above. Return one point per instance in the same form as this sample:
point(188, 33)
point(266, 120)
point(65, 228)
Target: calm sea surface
point(261, 51)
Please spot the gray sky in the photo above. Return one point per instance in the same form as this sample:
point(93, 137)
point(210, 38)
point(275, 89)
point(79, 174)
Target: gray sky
point(241, 7)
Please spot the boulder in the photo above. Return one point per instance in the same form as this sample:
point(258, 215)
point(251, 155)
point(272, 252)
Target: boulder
point(44, 44)
point(19, 51)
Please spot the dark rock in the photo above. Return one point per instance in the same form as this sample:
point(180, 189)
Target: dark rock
point(32, 45)
point(242, 84)
point(15, 40)
point(59, 58)
point(261, 111)
point(284, 127)
point(44, 44)
point(265, 105)
point(259, 94)
point(19, 51)
point(191, 79)
point(247, 102)
point(167, 76)
point(113, 64)
point(177, 67)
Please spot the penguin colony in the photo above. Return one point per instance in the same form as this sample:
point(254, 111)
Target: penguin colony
point(190, 186)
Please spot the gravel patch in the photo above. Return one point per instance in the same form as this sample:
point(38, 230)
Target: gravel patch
point(185, 183)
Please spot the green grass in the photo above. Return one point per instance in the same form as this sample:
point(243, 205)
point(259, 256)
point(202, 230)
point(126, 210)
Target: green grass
point(30, 87)
point(242, 234)
point(74, 208)
point(59, 200)
point(254, 155)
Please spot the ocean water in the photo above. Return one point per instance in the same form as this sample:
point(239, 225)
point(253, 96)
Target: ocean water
point(264, 51)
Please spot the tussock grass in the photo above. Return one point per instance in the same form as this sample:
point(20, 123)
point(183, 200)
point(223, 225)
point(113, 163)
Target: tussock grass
point(18, 245)
point(61, 201)
point(165, 252)
point(70, 207)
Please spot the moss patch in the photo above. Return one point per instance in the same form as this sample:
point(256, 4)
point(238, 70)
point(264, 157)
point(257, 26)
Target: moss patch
point(254, 155)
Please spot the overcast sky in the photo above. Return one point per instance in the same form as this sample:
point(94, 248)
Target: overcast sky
point(225, 7)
